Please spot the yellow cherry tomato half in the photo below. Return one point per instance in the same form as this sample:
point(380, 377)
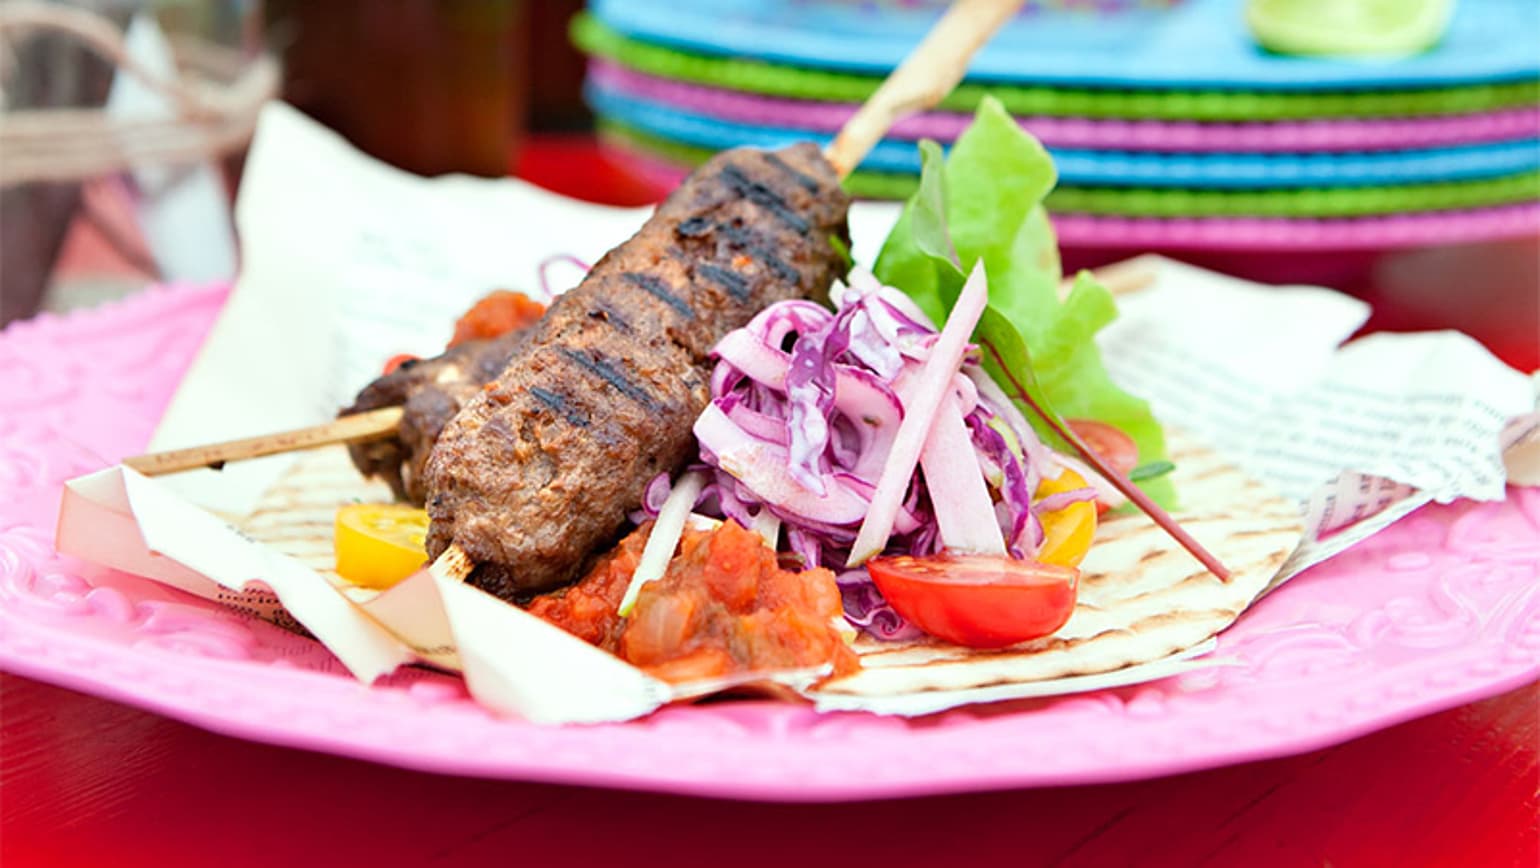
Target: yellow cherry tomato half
point(1067, 532)
point(379, 544)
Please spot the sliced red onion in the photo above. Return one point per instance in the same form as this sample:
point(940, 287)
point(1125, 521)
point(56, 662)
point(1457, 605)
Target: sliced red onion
point(906, 521)
point(1017, 485)
point(793, 316)
point(760, 426)
point(837, 535)
point(542, 272)
point(1032, 535)
point(805, 545)
point(656, 492)
point(1106, 492)
point(754, 358)
point(876, 413)
point(903, 308)
point(1061, 499)
point(730, 504)
point(765, 469)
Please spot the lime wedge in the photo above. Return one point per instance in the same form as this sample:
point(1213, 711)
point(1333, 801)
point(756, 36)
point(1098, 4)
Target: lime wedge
point(1348, 28)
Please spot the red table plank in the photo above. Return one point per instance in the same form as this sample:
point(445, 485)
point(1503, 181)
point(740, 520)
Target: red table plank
point(90, 782)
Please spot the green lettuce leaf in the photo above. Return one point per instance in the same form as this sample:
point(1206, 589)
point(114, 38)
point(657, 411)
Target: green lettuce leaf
point(984, 201)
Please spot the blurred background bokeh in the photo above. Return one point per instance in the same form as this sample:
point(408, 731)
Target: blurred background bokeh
point(1230, 134)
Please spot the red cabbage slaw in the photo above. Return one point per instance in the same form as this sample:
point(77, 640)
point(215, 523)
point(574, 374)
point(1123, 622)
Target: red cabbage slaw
point(805, 416)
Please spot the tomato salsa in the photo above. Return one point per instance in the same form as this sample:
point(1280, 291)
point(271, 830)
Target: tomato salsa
point(500, 312)
point(724, 606)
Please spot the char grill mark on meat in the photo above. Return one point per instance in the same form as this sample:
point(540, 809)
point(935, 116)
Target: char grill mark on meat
point(429, 392)
point(655, 288)
point(517, 479)
point(759, 194)
point(809, 184)
point(596, 364)
point(560, 405)
point(736, 286)
point(607, 313)
point(750, 244)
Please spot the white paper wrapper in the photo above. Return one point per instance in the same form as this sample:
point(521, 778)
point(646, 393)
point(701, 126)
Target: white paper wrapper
point(347, 262)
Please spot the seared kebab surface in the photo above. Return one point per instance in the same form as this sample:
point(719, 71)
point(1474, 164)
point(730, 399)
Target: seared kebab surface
point(541, 468)
point(429, 392)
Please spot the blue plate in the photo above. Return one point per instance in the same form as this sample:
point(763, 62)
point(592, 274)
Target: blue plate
point(1198, 44)
point(1119, 168)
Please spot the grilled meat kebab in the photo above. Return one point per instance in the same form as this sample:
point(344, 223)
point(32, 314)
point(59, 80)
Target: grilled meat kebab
point(429, 392)
point(541, 467)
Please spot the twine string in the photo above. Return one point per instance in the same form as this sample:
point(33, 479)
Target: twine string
point(214, 110)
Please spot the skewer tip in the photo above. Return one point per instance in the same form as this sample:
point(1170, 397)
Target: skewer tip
point(454, 564)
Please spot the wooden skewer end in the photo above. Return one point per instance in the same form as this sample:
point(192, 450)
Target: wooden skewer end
point(454, 564)
point(355, 428)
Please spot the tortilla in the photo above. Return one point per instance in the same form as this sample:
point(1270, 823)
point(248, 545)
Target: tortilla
point(1143, 599)
point(296, 516)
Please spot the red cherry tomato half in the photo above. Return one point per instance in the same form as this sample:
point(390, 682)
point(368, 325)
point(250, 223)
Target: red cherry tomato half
point(397, 360)
point(1115, 447)
point(981, 601)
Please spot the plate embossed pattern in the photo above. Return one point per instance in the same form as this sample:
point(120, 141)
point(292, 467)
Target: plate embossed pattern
point(1441, 609)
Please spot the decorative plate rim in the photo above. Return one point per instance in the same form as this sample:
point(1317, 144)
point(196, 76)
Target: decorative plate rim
point(60, 627)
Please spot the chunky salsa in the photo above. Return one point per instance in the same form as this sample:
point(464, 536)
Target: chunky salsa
point(724, 606)
point(500, 312)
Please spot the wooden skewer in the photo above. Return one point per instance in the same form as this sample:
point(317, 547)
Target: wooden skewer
point(926, 76)
point(1120, 278)
point(355, 428)
point(454, 564)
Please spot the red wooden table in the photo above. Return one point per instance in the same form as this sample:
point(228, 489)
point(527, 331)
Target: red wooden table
point(85, 781)
point(89, 782)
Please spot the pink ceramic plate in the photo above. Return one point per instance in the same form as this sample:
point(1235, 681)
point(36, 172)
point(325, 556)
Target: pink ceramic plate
point(1391, 232)
point(1442, 609)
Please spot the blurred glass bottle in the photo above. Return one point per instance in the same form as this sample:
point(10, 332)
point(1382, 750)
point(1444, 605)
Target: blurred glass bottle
point(431, 86)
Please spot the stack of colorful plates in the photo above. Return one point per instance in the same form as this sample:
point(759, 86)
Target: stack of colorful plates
point(1170, 126)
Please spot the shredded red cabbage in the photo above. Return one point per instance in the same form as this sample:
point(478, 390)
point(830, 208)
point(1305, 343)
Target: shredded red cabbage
point(803, 415)
point(866, 609)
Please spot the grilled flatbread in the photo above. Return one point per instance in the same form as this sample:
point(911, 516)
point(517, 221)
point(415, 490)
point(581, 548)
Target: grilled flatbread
point(1142, 597)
